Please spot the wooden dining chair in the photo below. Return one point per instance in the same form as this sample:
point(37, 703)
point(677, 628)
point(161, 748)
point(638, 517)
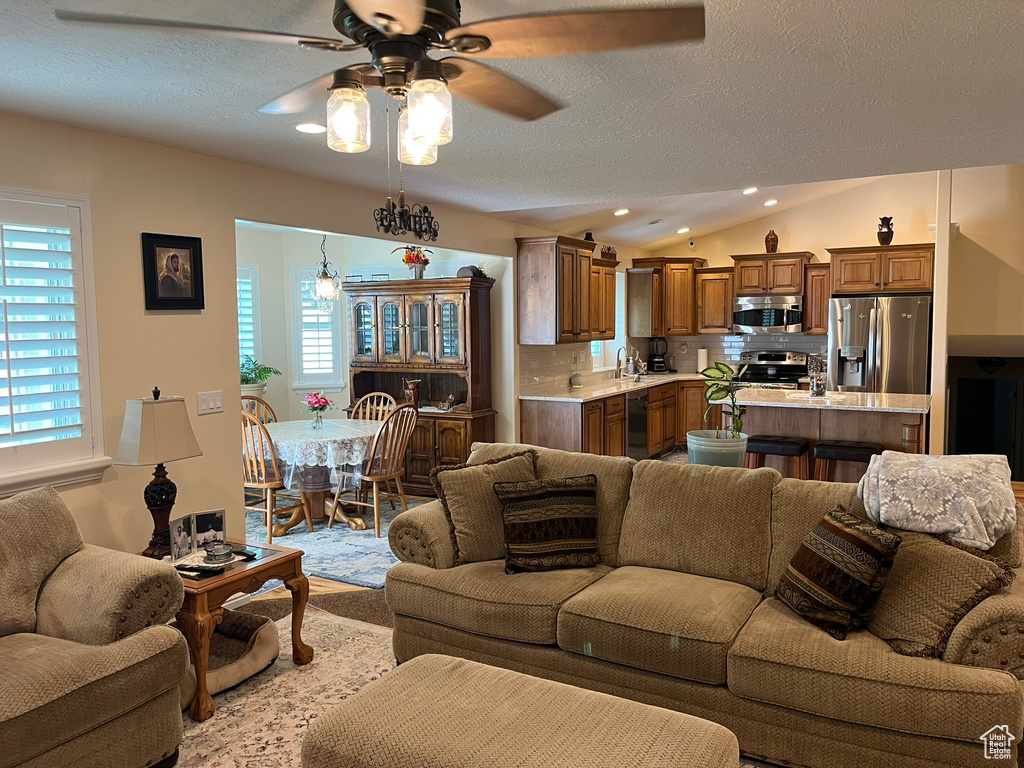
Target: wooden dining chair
point(385, 462)
point(259, 408)
point(261, 474)
point(375, 406)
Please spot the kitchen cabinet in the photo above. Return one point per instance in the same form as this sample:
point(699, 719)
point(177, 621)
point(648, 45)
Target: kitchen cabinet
point(555, 280)
point(883, 269)
point(662, 297)
point(615, 426)
point(691, 406)
point(593, 427)
point(714, 300)
point(817, 287)
point(758, 274)
point(596, 426)
point(602, 299)
point(661, 419)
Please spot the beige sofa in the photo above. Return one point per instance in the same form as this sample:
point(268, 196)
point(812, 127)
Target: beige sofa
point(88, 674)
point(680, 614)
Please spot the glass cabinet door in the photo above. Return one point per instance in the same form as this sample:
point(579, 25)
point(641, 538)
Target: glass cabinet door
point(450, 324)
point(361, 310)
point(391, 310)
point(419, 342)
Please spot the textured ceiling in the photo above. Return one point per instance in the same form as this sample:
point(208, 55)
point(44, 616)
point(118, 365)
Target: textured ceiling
point(778, 93)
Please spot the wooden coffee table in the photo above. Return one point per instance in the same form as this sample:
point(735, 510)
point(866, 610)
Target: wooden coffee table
point(203, 608)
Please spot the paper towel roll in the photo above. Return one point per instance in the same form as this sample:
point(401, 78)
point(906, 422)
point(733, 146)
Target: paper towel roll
point(702, 359)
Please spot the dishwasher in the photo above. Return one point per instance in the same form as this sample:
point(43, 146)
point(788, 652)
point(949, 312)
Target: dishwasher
point(636, 423)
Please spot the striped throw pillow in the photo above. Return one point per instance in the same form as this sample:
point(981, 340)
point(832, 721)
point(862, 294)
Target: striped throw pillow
point(836, 575)
point(549, 524)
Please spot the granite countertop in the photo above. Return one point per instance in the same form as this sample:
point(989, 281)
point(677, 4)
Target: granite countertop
point(838, 401)
point(604, 388)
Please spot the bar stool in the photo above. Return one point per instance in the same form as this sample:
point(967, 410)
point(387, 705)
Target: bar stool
point(759, 446)
point(828, 451)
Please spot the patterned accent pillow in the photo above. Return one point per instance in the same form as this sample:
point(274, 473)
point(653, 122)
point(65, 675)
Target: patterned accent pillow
point(838, 571)
point(934, 582)
point(549, 524)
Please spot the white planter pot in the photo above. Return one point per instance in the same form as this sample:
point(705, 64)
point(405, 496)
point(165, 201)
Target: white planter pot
point(256, 390)
point(712, 447)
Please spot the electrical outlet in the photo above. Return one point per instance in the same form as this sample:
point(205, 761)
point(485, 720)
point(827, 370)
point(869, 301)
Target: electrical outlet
point(211, 402)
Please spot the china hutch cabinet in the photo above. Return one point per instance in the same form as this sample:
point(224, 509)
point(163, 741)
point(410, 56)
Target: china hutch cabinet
point(438, 332)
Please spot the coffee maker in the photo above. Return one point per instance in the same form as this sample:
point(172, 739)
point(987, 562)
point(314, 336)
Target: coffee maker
point(656, 361)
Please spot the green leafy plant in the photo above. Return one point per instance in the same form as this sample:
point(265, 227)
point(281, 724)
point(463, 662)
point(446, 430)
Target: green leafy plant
point(254, 372)
point(721, 385)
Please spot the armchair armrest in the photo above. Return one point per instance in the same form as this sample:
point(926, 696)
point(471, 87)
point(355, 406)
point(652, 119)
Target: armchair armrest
point(423, 535)
point(991, 635)
point(97, 596)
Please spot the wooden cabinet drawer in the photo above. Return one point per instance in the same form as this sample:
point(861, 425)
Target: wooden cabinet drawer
point(613, 405)
point(662, 393)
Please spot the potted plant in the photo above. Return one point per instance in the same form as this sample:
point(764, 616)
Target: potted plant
point(720, 447)
point(254, 375)
point(415, 258)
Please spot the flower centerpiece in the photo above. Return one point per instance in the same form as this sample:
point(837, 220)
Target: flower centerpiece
point(415, 258)
point(316, 403)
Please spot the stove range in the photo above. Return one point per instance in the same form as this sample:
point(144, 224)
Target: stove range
point(768, 369)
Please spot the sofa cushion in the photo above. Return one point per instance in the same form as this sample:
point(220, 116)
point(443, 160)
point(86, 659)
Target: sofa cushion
point(482, 598)
point(709, 521)
point(1009, 548)
point(778, 658)
point(38, 532)
point(838, 571)
point(932, 585)
point(663, 621)
point(549, 524)
point(614, 473)
point(798, 506)
point(467, 494)
point(53, 690)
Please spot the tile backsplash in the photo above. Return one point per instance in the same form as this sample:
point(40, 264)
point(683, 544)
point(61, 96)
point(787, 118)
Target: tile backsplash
point(727, 349)
point(554, 365)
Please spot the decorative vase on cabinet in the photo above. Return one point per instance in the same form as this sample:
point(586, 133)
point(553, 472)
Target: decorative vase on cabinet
point(771, 242)
point(885, 230)
point(417, 271)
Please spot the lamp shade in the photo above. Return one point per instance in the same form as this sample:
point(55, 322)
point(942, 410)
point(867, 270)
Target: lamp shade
point(156, 432)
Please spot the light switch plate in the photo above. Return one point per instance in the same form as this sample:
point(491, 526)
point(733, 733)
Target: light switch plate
point(211, 402)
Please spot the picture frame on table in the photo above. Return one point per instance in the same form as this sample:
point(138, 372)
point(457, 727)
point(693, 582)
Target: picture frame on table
point(209, 528)
point(172, 270)
point(182, 541)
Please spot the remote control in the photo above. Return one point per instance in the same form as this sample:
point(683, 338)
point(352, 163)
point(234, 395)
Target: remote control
point(201, 568)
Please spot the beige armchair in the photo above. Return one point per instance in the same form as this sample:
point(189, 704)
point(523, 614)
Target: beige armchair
point(88, 672)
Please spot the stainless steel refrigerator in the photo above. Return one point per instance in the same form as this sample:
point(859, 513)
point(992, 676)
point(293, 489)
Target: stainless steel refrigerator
point(879, 344)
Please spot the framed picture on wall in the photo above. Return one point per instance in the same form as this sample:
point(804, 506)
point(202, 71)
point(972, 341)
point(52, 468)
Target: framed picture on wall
point(173, 270)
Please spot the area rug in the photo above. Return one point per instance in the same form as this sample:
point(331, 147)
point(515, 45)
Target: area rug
point(359, 604)
point(338, 553)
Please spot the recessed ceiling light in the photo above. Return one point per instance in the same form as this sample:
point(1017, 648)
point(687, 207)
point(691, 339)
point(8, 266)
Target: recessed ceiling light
point(749, 190)
point(682, 231)
point(770, 202)
point(310, 128)
point(622, 211)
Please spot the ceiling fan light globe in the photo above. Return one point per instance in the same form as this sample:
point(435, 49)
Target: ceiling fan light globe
point(410, 151)
point(430, 111)
point(348, 120)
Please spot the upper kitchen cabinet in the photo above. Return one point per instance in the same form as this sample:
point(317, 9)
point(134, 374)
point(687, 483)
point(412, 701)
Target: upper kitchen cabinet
point(662, 297)
point(758, 274)
point(818, 285)
point(714, 300)
point(883, 269)
point(555, 283)
point(602, 298)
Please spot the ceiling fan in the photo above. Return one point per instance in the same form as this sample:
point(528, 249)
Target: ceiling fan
point(398, 35)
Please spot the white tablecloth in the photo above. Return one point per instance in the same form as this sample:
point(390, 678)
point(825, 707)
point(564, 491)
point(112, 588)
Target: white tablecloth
point(340, 443)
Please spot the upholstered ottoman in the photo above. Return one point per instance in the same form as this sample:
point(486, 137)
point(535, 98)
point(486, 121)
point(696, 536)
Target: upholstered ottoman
point(445, 712)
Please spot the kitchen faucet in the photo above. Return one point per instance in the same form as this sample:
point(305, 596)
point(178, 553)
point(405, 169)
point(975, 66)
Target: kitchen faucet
point(618, 363)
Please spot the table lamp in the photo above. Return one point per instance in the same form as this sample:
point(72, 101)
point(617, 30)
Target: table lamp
point(157, 431)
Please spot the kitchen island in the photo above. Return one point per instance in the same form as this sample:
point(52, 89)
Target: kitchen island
point(898, 422)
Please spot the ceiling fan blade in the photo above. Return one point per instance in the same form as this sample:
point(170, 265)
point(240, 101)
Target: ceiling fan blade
point(478, 83)
point(392, 17)
point(314, 93)
point(559, 34)
point(324, 43)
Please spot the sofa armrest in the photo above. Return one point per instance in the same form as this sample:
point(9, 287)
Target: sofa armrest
point(423, 535)
point(97, 596)
point(991, 635)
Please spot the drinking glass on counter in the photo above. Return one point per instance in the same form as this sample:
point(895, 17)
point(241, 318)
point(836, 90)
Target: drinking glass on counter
point(816, 372)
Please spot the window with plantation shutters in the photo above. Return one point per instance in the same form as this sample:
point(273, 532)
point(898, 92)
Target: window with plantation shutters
point(49, 399)
point(247, 284)
point(318, 335)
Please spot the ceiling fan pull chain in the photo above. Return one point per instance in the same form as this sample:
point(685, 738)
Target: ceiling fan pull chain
point(387, 117)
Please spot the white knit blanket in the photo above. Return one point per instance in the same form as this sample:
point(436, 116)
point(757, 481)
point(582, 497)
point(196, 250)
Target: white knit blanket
point(969, 498)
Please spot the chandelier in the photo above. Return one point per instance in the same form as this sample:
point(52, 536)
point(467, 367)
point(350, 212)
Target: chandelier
point(425, 116)
point(326, 285)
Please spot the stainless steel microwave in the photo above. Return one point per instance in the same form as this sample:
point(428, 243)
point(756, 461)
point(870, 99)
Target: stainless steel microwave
point(768, 314)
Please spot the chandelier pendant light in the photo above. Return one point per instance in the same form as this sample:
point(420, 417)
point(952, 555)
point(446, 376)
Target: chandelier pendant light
point(326, 285)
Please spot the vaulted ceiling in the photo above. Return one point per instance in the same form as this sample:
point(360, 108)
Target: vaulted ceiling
point(778, 93)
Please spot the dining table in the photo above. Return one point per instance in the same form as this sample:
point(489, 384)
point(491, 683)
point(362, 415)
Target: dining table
point(308, 454)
